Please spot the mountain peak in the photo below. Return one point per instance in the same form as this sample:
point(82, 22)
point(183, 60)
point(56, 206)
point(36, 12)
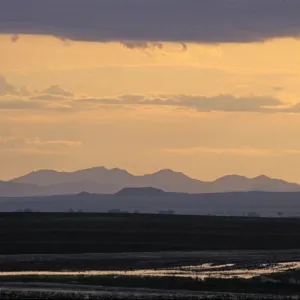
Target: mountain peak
point(165, 171)
point(262, 177)
point(93, 169)
point(101, 169)
point(36, 173)
point(168, 172)
point(231, 177)
point(117, 170)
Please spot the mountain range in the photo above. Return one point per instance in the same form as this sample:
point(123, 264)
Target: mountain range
point(100, 180)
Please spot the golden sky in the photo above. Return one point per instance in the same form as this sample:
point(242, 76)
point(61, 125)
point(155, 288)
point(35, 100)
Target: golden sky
point(205, 110)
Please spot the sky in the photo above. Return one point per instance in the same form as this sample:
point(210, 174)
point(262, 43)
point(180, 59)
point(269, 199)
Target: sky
point(208, 88)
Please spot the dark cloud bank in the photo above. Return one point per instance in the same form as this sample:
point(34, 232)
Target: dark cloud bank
point(207, 21)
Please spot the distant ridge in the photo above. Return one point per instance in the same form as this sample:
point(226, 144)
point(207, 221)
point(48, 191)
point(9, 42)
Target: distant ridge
point(84, 194)
point(100, 180)
point(144, 191)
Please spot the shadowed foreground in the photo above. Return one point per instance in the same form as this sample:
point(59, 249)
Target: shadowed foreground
point(27, 233)
point(59, 291)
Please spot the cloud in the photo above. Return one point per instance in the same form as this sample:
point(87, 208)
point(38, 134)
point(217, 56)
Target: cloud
point(9, 89)
point(223, 103)
point(147, 47)
point(205, 21)
point(15, 38)
point(293, 151)
point(292, 109)
point(37, 142)
point(278, 88)
point(56, 143)
point(151, 48)
point(5, 87)
point(34, 151)
point(19, 104)
point(51, 92)
point(143, 45)
point(218, 103)
point(244, 151)
point(24, 91)
point(48, 97)
point(241, 151)
point(14, 98)
point(56, 90)
point(34, 145)
point(56, 98)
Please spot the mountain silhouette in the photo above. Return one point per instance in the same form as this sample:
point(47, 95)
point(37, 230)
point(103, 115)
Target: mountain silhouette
point(100, 180)
point(136, 192)
point(12, 189)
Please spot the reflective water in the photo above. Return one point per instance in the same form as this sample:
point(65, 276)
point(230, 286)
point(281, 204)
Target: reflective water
point(199, 271)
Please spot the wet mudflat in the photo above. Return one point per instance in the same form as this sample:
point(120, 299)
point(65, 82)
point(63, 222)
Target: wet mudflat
point(203, 271)
point(215, 258)
point(143, 260)
point(240, 274)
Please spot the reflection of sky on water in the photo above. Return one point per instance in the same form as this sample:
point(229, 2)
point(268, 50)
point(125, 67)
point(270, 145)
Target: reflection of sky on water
point(199, 271)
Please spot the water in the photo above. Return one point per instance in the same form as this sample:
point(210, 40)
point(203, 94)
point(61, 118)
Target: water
point(202, 271)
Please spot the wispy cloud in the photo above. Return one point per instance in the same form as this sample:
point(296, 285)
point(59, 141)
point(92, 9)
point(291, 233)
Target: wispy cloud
point(56, 98)
point(244, 151)
point(56, 90)
point(34, 151)
point(239, 151)
point(217, 103)
point(44, 143)
point(5, 87)
point(51, 98)
point(293, 151)
point(34, 145)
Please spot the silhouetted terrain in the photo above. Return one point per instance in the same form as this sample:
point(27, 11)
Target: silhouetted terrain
point(14, 189)
point(100, 180)
point(97, 233)
point(150, 200)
